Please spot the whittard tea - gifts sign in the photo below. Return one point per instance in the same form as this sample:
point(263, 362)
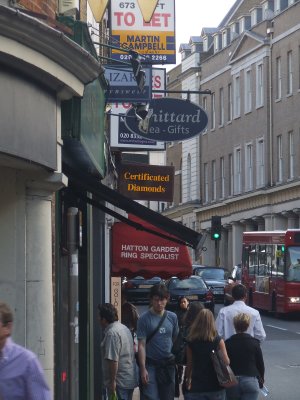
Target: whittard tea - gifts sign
point(146, 182)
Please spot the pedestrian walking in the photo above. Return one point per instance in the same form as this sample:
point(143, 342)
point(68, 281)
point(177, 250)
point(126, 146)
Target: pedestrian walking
point(201, 378)
point(190, 316)
point(246, 361)
point(224, 321)
point(179, 345)
point(21, 375)
point(156, 332)
point(118, 360)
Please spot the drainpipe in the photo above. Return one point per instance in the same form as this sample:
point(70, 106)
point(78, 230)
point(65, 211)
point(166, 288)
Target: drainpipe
point(72, 244)
point(270, 32)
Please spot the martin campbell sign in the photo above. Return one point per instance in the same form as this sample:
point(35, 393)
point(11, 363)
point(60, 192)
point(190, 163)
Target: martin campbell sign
point(167, 120)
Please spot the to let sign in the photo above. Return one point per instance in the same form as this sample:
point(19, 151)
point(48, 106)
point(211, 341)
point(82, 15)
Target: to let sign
point(168, 120)
point(146, 182)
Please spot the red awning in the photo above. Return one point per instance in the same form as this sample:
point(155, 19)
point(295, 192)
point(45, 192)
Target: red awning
point(136, 252)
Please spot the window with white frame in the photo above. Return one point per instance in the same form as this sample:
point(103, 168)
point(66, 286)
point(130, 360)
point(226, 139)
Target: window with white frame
point(259, 85)
point(260, 163)
point(277, 6)
point(205, 43)
point(214, 180)
point(248, 91)
point(236, 97)
point(224, 38)
point(278, 78)
point(230, 107)
point(221, 107)
point(222, 173)
point(205, 171)
point(280, 159)
point(189, 177)
point(204, 105)
point(213, 111)
point(291, 155)
point(237, 171)
point(230, 180)
point(249, 167)
point(289, 73)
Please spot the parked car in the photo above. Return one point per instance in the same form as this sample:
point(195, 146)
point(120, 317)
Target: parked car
point(233, 279)
point(193, 288)
point(216, 279)
point(138, 289)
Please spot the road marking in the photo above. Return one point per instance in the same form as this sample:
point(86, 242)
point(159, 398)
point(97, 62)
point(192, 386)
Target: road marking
point(277, 327)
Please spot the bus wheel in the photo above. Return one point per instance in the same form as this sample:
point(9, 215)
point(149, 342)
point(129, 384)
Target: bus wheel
point(250, 298)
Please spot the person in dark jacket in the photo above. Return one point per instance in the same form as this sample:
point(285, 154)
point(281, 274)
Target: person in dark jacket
point(183, 305)
point(246, 361)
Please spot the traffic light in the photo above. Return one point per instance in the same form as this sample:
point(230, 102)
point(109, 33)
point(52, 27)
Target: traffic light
point(216, 227)
point(138, 73)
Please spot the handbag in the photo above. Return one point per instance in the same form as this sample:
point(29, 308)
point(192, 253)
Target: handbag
point(225, 375)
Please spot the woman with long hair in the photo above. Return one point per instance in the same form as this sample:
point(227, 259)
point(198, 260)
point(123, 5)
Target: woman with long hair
point(201, 378)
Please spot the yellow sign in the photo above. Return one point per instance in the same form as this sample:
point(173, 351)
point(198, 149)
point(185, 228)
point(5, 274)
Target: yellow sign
point(98, 8)
point(147, 8)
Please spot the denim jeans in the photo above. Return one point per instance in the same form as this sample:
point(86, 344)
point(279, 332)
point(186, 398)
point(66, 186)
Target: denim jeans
point(247, 389)
point(154, 391)
point(122, 394)
point(219, 395)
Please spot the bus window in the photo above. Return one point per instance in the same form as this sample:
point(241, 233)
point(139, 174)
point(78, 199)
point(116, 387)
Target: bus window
point(279, 266)
point(262, 261)
point(293, 264)
point(252, 260)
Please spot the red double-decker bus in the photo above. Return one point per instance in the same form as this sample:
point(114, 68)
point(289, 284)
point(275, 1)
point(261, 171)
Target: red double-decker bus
point(271, 269)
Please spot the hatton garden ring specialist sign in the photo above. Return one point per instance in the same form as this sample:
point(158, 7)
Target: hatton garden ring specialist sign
point(168, 120)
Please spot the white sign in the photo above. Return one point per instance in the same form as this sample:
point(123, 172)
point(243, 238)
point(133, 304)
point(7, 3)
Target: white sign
point(120, 136)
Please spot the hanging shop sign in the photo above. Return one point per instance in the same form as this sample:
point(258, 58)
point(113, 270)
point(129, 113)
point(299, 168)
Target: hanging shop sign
point(146, 182)
point(123, 138)
point(137, 252)
point(154, 39)
point(123, 86)
point(167, 120)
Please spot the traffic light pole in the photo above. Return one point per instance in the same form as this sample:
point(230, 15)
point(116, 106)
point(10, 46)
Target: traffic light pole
point(217, 258)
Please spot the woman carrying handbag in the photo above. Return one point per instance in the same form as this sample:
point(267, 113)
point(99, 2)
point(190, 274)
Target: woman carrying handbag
point(202, 382)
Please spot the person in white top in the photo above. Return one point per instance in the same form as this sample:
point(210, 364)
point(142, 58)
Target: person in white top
point(224, 321)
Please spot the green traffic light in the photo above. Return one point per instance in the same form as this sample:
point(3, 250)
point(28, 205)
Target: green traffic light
point(282, 248)
point(216, 235)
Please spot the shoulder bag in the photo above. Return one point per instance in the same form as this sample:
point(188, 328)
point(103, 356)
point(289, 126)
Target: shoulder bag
point(225, 375)
point(149, 337)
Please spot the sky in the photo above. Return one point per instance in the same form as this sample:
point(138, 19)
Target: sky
point(193, 15)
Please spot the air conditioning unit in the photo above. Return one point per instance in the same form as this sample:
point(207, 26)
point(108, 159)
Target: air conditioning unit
point(68, 5)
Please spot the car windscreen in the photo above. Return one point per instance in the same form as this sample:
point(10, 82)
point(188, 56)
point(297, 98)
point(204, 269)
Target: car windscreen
point(190, 283)
point(217, 274)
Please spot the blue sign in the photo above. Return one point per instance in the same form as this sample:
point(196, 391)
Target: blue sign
point(167, 120)
point(123, 86)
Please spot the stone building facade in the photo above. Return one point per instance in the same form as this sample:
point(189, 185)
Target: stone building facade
point(245, 162)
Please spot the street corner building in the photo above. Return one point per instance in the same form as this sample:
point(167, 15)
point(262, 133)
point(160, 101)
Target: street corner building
point(41, 67)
